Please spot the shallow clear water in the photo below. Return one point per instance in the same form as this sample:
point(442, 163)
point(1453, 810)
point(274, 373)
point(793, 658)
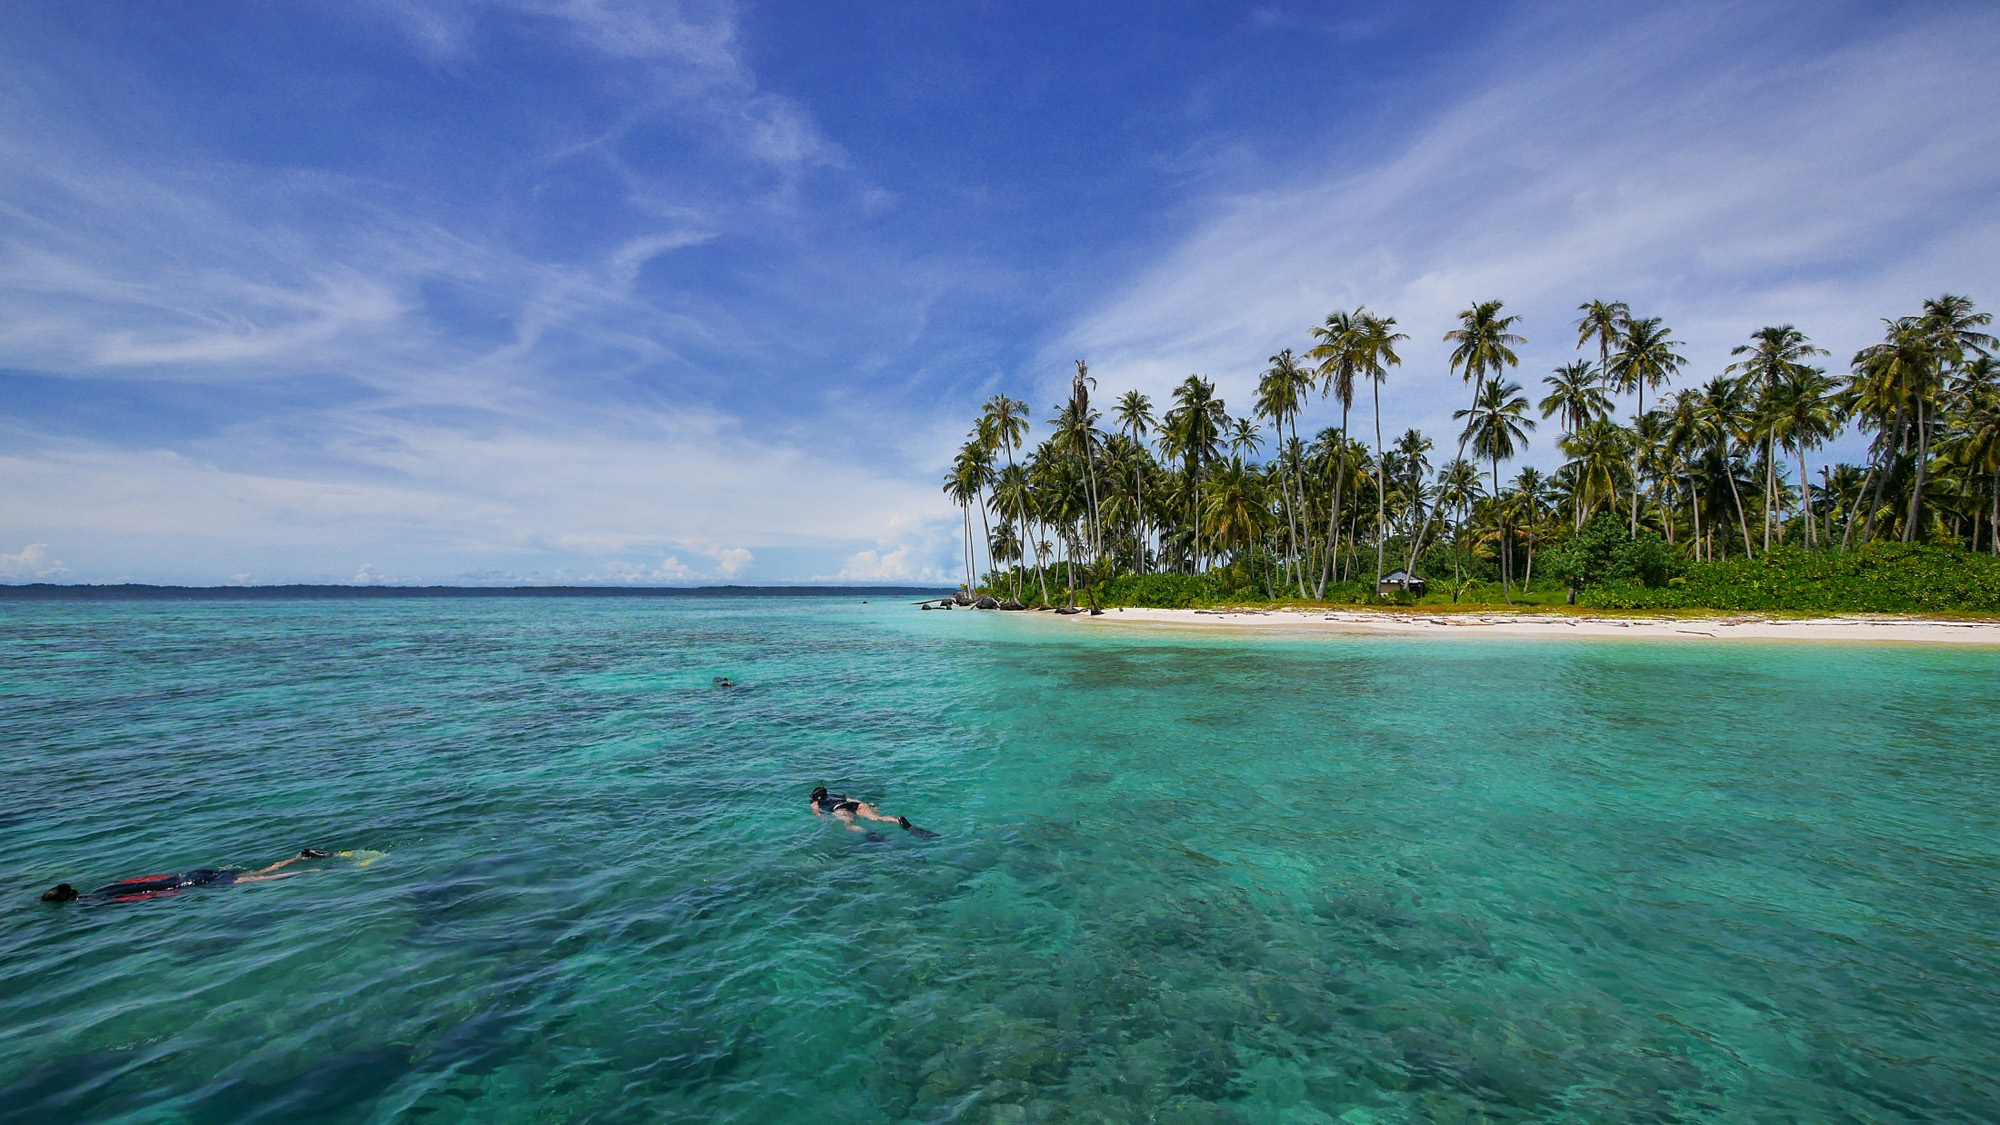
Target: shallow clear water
point(1182, 878)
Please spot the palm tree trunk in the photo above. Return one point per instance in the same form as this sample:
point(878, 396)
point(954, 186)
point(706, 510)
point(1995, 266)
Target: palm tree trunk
point(1694, 512)
point(1805, 490)
point(1096, 507)
point(1742, 522)
point(1993, 520)
point(1500, 523)
point(1635, 455)
point(1894, 449)
point(1333, 510)
point(1771, 487)
point(1381, 488)
point(965, 541)
point(1917, 488)
point(1478, 385)
point(1139, 489)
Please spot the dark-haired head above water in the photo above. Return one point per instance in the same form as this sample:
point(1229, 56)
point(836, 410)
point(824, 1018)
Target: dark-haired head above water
point(61, 892)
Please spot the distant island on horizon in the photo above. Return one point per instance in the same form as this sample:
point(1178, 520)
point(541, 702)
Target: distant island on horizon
point(130, 591)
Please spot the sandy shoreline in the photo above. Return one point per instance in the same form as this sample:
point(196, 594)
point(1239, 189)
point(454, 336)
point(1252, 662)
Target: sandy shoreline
point(1742, 627)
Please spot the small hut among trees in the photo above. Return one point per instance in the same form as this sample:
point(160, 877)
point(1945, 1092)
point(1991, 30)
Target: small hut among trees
point(1400, 581)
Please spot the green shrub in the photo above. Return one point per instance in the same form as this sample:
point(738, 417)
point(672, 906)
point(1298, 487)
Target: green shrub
point(1876, 578)
point(1164, 591)
point(1604, 553)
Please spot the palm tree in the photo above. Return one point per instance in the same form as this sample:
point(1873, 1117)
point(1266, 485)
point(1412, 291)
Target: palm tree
point(1977, 446)
point(1485, 347)
point(1004, 424)
point(1533, 490)
point(1645, 358)
point(1410, 456)
point(1776, 352)
point(1375, 340)
point(1135, 416)
point(1080, 386)
point(1281, 391)
point(1575, 392)
point(1684, 437)
point(1599, 452)
point(1244, 437)
point(1603, 321)
point(1233, 501)
point(1724, 409)
point(1803, 414)
point(1497, 420)
point(1193, 433)
point(1458, 488)
point(964, 485)
point(1337, 355)
point(1906, 367)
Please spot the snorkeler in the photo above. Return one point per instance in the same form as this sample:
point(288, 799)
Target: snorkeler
point(845, 809)
point(161, 886)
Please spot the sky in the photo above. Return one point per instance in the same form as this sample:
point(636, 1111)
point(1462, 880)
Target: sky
point(599, 291)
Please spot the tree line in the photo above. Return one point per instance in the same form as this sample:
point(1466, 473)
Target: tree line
point(1717, 468)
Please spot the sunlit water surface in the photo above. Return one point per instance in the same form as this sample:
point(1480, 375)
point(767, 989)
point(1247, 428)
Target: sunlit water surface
point(1182, 877)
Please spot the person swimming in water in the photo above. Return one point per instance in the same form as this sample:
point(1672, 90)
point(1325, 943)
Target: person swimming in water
point(162, 886)
point(845, 809)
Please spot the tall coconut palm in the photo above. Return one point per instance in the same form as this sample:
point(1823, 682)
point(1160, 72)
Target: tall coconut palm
point(1775, 354)
point(1336, 354)
point(965, 484)
point(1803, 414)
point(1085, 436)
point(1281, 391)
point(1495, 424)
point(1907, 366)
point(1685, 437)
point(1598, 453)
point(1485, 347)
point(1004, 425)
point(1977, 446)
point(1533, 490)
point(1135, 416)
point(1410, 457)
point(1375, 340)
point(1244, 437)
point(1576, 392)
point(1194, 434)
point(1645, 358)
point(1725, 412)
point(1233, 502)
point(1603, 321)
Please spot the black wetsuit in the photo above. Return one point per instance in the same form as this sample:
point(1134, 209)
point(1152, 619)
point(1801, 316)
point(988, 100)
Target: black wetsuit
point(835, 803)
point(160, 886)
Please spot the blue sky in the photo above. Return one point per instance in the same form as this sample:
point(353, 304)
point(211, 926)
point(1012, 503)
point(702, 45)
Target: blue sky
point(596, 291)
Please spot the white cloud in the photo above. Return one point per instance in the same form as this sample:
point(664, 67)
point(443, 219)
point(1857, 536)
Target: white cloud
point(32, 562)
point(733, 562)
point(899, 565)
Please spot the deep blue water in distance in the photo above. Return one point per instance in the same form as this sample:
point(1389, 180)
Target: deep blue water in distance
point(1182, 876)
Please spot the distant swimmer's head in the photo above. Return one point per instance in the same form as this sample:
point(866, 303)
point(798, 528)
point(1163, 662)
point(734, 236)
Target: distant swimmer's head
point(61, 892)
point(313, 853)
point(819, 795)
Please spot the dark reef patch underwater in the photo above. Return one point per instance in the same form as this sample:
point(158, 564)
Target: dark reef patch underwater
point(1179, 878)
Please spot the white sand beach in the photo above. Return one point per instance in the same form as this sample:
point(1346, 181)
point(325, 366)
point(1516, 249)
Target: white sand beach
point(1741, 627)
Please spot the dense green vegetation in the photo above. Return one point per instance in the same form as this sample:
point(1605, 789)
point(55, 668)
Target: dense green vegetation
point(1710, 488)
point(1878, 578)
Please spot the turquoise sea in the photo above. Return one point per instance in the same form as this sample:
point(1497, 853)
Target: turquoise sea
point(1181, 876)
